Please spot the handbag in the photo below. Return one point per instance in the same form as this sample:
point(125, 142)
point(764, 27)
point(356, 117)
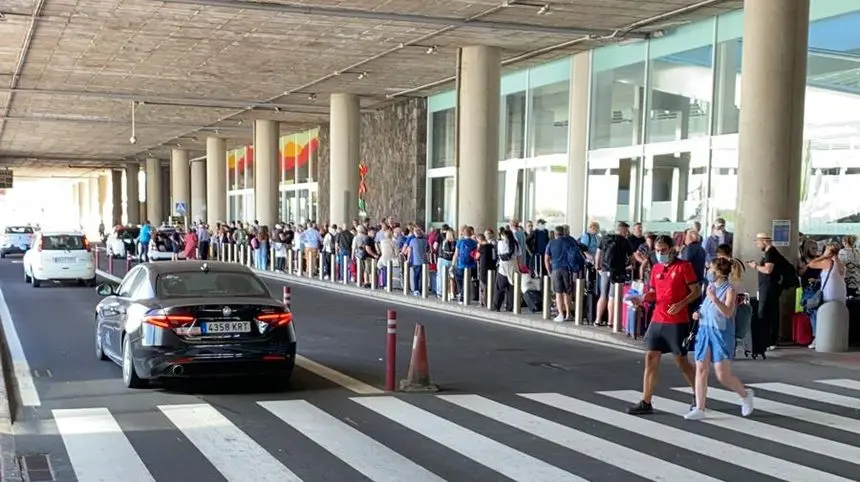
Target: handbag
point(817, 299)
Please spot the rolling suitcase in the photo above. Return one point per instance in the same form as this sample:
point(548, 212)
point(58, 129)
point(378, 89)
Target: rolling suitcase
point(758, 333)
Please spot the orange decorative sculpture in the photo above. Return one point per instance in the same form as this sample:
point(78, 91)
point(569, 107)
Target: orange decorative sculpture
point(362, 187)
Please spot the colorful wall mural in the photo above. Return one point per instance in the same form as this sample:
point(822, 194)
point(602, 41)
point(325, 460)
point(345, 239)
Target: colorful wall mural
point(298, 161)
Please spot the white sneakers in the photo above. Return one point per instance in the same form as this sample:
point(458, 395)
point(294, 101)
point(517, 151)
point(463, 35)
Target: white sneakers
point(746, 408)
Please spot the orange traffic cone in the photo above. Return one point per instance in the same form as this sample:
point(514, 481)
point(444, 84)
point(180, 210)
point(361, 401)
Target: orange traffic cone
point(418, 377)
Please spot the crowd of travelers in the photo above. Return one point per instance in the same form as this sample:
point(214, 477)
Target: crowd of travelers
point(686, 293)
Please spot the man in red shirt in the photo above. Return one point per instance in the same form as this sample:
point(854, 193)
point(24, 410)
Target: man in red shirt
point(674, 286)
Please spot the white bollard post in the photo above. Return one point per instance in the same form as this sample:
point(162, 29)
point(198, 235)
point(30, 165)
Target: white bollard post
point(547, 298)
point(374, 272)
point(579, 301)
point(321, 266)
point(272, 257)
point(518, 295)
point(332, 267)
point(289, 260)
point(389, 275)
point(406, 276)
point(467, 287)
point(344, 268)
point(617, 304)
point(445, 288)
point(301, 264)
point(425, 280)
point(491, 288)
point(359, 272)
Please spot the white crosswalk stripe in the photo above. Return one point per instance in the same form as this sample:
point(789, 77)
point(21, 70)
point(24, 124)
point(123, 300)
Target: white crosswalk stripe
point(230, 450)
point(638, 463)
point(376, 461)
point(487, 452)
point(98, 450)
point(842, 383)
point(761, 463)
point(752, 428)
point(810, 394)
point(97, 447)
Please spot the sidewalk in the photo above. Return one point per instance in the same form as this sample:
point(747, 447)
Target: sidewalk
point(525, 320)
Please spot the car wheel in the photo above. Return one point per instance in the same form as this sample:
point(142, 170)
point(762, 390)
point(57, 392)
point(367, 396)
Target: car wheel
point(100, 352)
point(91, 281)
point(36, 283)
point(129, 374)
point(2, 254)
point(26, 276)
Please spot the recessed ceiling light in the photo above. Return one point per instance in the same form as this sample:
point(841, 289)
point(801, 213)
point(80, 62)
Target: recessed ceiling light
point(362, 76)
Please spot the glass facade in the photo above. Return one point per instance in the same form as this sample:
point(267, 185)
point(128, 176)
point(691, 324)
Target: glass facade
point(663, 130)
point(533, 138)
point(298, 171)
point(664, 125)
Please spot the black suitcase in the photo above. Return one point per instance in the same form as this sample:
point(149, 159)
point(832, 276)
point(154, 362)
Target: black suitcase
point(533, 300)
point(758, 333)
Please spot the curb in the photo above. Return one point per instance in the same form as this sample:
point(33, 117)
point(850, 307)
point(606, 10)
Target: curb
point(10, 471)
point(533, 324)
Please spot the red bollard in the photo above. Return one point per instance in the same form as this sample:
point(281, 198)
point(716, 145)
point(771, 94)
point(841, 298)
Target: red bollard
point(288, 302)
point(127, 262)
point(96, 255)
point(110, 264)
point(391, 352)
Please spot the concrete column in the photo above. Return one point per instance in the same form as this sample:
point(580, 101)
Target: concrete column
point(102, 214)
point(93, 217)
point(180, 183)
point(132, 194)
point(198, 190)
point(577, 154)
point(216, 180)
point(116, 197)
point(266, 178)
point(771, 125)
point(345, 140)
point(478, 170)
point(154, 199)
point(83, 196)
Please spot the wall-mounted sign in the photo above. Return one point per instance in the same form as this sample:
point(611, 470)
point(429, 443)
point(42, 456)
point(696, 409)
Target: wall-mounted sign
point(6, 179)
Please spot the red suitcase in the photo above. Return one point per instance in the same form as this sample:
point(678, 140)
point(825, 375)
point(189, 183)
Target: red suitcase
point(801, 329)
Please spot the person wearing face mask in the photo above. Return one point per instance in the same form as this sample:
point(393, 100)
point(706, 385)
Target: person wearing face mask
point(715, 340)
point(674, 286)
point(719, 236)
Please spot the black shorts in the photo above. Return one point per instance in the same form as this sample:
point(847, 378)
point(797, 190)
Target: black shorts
point(667, 338)
point(562, 281)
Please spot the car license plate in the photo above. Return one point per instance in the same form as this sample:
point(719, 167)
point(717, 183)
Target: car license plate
point(65, 260)
point(226, 327)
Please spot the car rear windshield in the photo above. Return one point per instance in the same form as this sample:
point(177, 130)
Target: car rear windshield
point(208, 284)
point(63, 242)
point(19, 230)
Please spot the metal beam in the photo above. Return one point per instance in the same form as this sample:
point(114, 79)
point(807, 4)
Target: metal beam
point(338, 12)
point(39, 119)
point(170, 100)
point(22, 59)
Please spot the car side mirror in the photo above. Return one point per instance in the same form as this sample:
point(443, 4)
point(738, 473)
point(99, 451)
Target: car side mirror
point(106, 289)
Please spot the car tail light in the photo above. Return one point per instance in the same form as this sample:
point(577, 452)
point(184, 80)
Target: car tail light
point(87, 245)
point(41, 245)
point(168, 321)
point(276, 319)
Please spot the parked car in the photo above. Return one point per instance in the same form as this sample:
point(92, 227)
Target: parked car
point(162, 243)
point(122, 242)
point(194, 319)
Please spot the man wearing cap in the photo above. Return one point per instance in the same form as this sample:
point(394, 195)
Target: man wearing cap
point(719, 236)
point(769, 285)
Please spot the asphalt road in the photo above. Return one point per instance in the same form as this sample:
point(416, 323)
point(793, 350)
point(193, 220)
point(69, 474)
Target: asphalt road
point(521, 406)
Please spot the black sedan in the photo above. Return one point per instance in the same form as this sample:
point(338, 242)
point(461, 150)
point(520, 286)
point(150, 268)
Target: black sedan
point(194, 319)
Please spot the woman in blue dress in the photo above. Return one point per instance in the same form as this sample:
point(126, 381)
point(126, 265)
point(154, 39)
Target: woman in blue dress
point(715, 340)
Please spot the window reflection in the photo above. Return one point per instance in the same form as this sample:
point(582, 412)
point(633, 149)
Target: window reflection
point(675, 188)
point(513, 126)
point(547, 194)
point(617, 95)
point(443, 128)
point(511, 183)
point(549, 118)
point(681, 84)
point(442, 200)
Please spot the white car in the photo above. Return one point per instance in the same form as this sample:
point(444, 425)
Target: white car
point(59, 256)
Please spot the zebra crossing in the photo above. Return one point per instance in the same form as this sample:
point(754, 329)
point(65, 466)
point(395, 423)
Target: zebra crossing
point(593, 427)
